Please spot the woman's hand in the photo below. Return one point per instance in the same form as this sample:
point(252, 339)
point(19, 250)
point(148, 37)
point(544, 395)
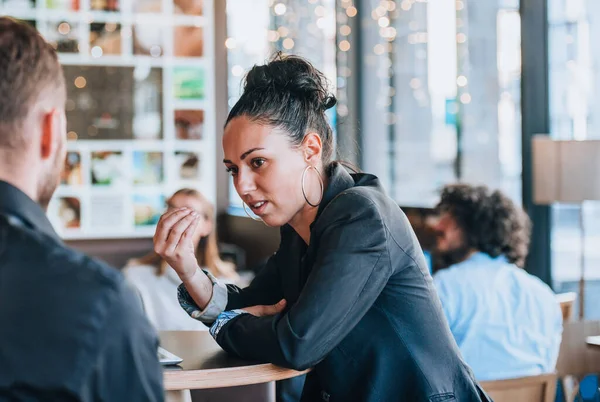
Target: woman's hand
point(263, 311)
point(173, 241)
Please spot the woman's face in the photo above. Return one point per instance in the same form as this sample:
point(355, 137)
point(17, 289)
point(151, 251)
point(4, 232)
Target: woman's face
point(267, 169)
point(181, 201)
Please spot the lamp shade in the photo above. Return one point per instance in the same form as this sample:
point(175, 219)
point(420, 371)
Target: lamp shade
point(565, 171)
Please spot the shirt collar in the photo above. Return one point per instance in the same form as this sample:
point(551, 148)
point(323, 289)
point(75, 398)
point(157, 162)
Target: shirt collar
point(339, 179)
point(16, 203)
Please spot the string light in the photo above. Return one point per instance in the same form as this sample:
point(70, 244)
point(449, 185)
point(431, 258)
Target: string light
point(345, 30)
point(344, 46)
point(283, 31)
point(237, 70)
point(288, 43)
point(351, 11)
point(383, 22)
point(280, 8)
point(80, 82)
point(415, 83)
point(64, 28)
point(230, 43)
point(461, 81)
point(273, 36)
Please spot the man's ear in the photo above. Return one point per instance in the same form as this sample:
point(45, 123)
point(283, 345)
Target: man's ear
point(312, 147)
point(49, 133)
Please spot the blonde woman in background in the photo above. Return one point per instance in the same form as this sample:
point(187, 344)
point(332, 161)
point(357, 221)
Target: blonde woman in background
point(156, 282)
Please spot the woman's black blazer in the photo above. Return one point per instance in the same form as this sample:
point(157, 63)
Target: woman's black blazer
point(362, 309)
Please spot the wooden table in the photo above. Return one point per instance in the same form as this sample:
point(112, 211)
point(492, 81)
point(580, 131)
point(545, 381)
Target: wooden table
point(206, 365)
point(593, 341)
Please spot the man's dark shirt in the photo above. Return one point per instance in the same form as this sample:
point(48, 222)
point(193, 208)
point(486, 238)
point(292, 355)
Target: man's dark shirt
point(70, 327)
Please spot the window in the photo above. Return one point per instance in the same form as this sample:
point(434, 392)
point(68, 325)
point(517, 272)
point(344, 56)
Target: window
point(574, 67)
point(445, 80)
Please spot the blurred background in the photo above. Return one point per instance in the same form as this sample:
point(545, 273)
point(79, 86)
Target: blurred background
point(430, 93)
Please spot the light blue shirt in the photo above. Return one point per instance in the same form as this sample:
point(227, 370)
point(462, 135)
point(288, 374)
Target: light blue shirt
point(506, 322)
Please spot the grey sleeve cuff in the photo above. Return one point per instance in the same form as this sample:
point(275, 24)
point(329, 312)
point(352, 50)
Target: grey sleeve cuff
point(216, 305)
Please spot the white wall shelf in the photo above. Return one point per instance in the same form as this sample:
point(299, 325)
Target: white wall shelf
point(141, 115)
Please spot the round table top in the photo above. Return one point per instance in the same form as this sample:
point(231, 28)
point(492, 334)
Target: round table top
point(206, 365)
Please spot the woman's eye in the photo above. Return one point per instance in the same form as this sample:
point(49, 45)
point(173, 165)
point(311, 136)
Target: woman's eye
point(257, 162)
point(231, 170)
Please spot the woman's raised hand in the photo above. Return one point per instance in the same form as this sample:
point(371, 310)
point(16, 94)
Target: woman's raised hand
point(173, 241)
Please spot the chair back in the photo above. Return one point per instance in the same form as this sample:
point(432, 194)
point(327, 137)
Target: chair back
point(567, 301)
point(539, 388)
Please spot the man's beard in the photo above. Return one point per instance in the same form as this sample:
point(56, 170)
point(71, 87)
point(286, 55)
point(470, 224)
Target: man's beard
point(444, 259)
point(47, 184)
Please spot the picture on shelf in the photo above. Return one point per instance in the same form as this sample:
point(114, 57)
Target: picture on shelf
point(107, 168)
point(188, 83)
point(114, 103)
point(147, 167)
point(67, 5)
point(104, 5)
point(188, 41)
point(62, 36)
point(147, 103)
point(18, 5)
point(71, 174)
point(147, 209)
point(107, 213)
point(147, 40)
point(189, 124)
point(105, 39)
point(69, 212)
point(188, 7)
point(188, 165)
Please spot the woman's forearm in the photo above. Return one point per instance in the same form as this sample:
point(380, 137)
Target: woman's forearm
point(199, 287)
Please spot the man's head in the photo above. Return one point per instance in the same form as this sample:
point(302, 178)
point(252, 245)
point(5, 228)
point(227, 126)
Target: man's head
point(472, 218)
point(32, 115)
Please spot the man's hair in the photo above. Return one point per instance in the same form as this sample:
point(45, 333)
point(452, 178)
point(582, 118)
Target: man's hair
point(28, 67)
point(490, 221)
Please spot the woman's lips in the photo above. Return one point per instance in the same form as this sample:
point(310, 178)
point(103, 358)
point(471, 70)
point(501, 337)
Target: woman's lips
point(258, 207)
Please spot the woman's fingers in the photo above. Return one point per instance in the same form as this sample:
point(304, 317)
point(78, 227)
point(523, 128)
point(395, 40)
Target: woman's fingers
point(263, 310)
point(165, 225)
point(176, 232)
point(188, 234)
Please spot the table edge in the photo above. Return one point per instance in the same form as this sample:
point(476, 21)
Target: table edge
point(176, 380)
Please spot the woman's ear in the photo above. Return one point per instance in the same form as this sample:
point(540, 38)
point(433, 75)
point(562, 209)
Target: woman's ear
point(312, 148)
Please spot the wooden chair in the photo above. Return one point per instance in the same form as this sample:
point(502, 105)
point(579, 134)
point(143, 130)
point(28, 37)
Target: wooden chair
point(566, 301)
point(539, 388)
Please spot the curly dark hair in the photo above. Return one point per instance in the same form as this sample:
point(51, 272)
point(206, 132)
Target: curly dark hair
point(490, 221)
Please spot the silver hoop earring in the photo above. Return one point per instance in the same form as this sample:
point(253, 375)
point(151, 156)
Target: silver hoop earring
point(249, 216)
point(320, 182)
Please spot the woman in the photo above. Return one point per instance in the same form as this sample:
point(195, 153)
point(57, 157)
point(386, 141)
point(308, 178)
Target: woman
point(348, 291)
point(156, 282)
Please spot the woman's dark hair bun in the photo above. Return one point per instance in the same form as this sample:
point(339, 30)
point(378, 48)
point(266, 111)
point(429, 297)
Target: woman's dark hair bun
point(294, 75)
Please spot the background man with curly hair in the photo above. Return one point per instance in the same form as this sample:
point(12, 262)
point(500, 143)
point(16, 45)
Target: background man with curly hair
point(506, 322)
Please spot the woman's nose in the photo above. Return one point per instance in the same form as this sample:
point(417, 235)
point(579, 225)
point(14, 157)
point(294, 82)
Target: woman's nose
point(245, 183)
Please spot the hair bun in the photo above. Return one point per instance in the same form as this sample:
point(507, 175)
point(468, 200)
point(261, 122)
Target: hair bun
point(293, 76)
point(329, 102)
